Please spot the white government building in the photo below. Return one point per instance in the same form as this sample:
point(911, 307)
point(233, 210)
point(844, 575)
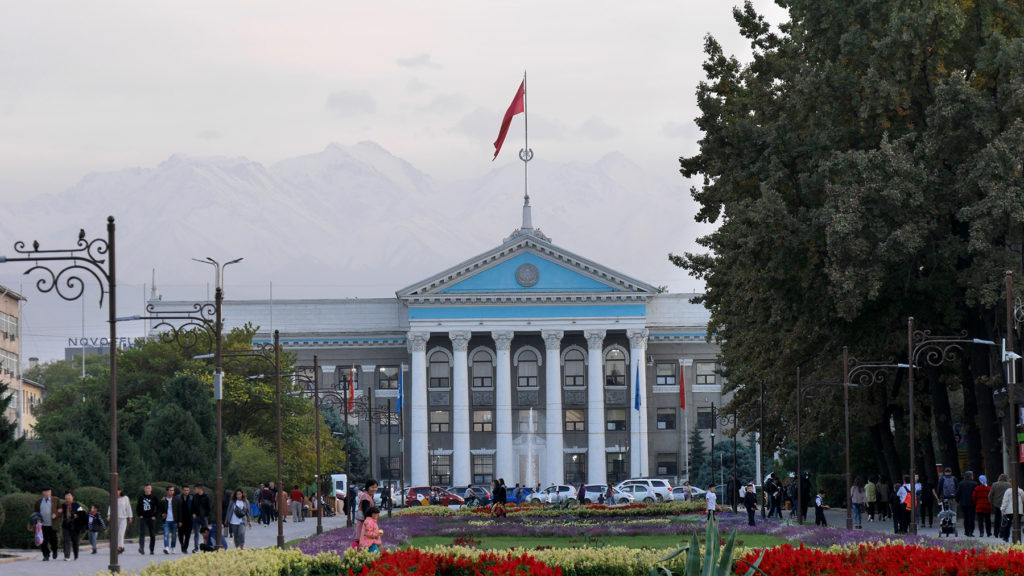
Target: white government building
point(520, 363)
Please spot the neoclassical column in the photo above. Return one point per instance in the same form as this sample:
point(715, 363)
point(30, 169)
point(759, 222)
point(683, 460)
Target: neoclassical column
point(419, 459)
point(597, 464)
point(504, 459)
point(639, 459)
point(462, 473)
point(553, 469)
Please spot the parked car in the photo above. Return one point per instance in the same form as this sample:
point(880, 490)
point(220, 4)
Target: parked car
point(680, 493)
point(659, 488)
point(423, 495)
point(512, 495)
point(554, 495)
point(473, 495)
point(639, 492)
point(594, 492)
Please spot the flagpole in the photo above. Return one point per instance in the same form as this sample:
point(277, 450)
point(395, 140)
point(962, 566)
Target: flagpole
point(526, 154)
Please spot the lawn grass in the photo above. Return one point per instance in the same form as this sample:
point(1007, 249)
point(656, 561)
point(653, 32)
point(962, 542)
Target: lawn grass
point(646, 541)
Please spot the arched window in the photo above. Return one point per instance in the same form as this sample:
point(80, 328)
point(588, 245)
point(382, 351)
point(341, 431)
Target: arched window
point(440, 373)
point(615, 368)
point(575, 369)
point(483, 370)
point(527, 369)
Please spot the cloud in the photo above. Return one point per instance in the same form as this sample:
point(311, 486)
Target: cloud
point(679, 130)
point(351, 102)
point(445, 103)
point(420, 62)
point(479, 123)
point(597, 129)
point(210, 135)
point(417, 86)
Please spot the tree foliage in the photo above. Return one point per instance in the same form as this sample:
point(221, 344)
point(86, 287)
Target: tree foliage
point(864, 166)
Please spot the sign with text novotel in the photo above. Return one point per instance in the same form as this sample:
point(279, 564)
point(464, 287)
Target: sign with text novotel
point(123, 343)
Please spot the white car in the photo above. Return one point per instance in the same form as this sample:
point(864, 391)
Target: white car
point(659, 488)
point(638, 492)
point(553, 495)
point(596, 491)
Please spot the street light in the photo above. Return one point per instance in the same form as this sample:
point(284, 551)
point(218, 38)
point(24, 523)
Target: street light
point(716, 418)
point(925, 349)
point(316, 415)
point(87, 258)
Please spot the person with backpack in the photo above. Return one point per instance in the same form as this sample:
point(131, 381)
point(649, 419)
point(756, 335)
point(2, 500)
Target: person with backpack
point(948, 485)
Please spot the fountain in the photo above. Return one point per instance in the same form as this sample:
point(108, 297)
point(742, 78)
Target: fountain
point(531, 468)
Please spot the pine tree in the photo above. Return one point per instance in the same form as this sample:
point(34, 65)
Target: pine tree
point(700, 467)
point(9, 441)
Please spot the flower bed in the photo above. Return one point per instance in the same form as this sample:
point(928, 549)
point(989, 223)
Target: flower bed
point(869, 560)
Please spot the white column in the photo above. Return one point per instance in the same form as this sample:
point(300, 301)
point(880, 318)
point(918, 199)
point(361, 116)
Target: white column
point(553, 471)
point(462, 473)
point(597, 465)
point(419, 467)
point(639, 458)
point(504, 459)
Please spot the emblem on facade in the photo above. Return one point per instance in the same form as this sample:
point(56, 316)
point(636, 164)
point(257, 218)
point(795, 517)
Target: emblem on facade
point(527, 275)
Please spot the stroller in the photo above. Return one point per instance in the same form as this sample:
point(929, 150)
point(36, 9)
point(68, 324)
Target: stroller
point(947, 519)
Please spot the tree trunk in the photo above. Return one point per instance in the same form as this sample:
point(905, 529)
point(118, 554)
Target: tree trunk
point(969, 427)
point(926, 448)
point(943, 420)
point(988, 420)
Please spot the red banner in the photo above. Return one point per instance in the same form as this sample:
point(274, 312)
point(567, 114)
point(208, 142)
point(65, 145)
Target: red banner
point(517, 107)
point(682, 387)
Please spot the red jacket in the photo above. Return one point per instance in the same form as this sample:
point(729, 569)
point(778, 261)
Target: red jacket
point(980, 497)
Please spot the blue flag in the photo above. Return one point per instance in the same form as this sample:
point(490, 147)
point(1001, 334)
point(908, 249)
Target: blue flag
point(636, 391)
point(398, 405)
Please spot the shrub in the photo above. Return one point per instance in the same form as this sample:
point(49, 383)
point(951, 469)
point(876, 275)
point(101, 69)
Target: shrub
point(17, 507)
point(35, 470)
point(92, 495)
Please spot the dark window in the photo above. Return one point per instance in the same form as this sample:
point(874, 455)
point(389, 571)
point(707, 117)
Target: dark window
point(483, 468)
point(615, 368)
point(574, 421)
point(527, 369)
point(704, 418)
point(575, 369)
point(575, 468)
point(666, 418)
point(440, 421)
point(394, 469)
point(666, 374)
point(387, 378)
point(440, 470)
point(387, 418)
point(667, 465)
point(483, 370)
point(439, 371)
point(483, 421)
point(615, 419)
point(618, 467)
point(527, 421)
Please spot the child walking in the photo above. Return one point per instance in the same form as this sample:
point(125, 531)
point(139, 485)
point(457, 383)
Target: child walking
point(819, 509)
point(370, 537)
point(96, 525)
point(712, 500)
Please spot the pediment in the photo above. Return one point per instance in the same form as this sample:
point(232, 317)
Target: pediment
point(526, 267)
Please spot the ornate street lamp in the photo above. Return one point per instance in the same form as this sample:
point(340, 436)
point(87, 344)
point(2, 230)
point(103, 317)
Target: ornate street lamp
point(86, 258)
point(717, 417)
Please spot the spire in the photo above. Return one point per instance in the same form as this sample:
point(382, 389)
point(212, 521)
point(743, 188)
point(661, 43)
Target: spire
point(527, 217)
point(154, 294)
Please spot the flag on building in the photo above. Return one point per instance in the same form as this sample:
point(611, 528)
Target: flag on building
point(398, 406)
point(518, 106)
point(682, 386)
point(636, 388)
point(351, 391)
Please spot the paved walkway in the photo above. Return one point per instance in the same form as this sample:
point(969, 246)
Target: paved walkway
point(29, 562)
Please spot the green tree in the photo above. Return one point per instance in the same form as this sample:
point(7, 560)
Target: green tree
point(700, 464)
point(181, 434)
point(355, 458)
point(79, 452)
point(862, 167)
point(37, 470)
point(252, 460)
point(9, 442)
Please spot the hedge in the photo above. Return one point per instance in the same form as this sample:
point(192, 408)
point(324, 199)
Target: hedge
point(14, 529)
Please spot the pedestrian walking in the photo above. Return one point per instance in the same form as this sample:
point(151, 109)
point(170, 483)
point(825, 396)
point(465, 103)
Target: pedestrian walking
point(296, 496)
point(750, 503)
point(95, 526)
point(170, 511)
point(871, 497)
point(819, 509)
point(995, 498)
point(884, 496)
point(983, 507)
point(185, 503)
point(47, 510)
point(1007, 512)
point(240, 518)
point(73, 519)
point(124, 517)
point(857, 500)
point(146, 510)
point(200, 514)
point(927, 499)
point(965, 499)
point(712, 502)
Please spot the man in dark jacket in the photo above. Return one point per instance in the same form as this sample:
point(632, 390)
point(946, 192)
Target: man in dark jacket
point(185, 502)
point(73, 519)
point(965, 498)
point(145, 510)
point(200, 514)
point(750, 503)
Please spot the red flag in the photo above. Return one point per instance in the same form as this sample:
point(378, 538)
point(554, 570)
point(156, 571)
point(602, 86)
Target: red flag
point(351, 393)
point(682, 387)
point(517, 107)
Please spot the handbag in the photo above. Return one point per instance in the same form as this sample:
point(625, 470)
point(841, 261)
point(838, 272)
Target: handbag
point(239, 513)
point(38, 539)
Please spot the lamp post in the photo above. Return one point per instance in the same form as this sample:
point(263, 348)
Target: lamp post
point(1011, 384)
point(925, 349)
point(87, 258)
point(315, 381)
point(716, 418)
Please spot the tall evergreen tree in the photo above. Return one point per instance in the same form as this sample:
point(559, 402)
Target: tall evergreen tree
point(9, 440)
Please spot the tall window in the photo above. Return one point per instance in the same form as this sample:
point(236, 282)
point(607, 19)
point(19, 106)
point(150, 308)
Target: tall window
point(483, 421)
point(575, 468)
point(387, 419)
point(440, 421)
point(528, 421)
point(483, 468)
point(527, 369)
point(440, 470)
point(439, 371)
point(667, 464)
point(574, 421)
point(667, 418)
point(706, 372)
point(575, 369)
point(666, 373)
point(387, 378)
point(615, 368)
point(483, 370)
point(391, 469)
point(704, 418)
point(618, 467)
point(616, 418)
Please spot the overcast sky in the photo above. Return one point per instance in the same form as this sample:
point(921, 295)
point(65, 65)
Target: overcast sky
point(102, 86)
